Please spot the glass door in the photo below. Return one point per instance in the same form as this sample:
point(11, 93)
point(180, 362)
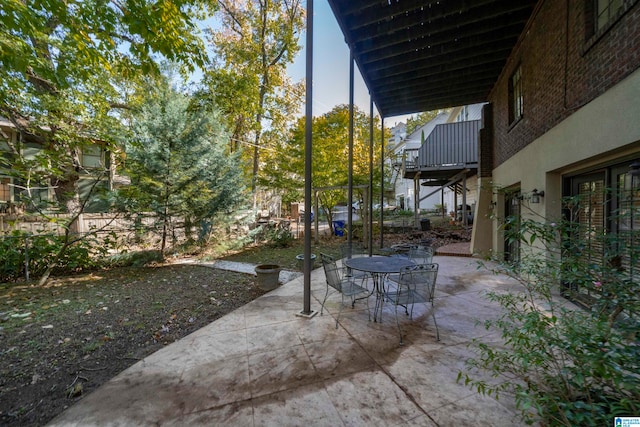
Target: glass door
point(512, 213)
point(625, 220)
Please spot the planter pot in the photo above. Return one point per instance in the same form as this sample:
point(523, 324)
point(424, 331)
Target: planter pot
point(300, 261)
point(268, 276)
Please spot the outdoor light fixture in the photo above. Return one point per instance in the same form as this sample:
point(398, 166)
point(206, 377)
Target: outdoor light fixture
point(634, 168)
point(535, 195)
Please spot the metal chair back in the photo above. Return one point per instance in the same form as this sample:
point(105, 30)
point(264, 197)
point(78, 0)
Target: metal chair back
point(343, 284)
point(416, 285)
point(421, 255)
point(332, 272)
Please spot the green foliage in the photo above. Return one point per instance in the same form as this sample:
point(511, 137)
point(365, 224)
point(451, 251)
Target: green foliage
point(274, 236)
point(420, 119)
point(43, 251)
point(570, 365)
point(134, 259)
point(280, 237)
point(68, 71)
point(179, 164)
point(284, 168)
point(252, 47)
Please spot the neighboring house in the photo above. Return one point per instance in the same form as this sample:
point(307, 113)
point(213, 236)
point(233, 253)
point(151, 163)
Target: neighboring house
point(404, 189)
point(438, 161)
point(95, 163)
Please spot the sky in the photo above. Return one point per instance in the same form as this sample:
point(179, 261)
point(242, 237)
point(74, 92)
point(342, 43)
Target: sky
point(331, 67)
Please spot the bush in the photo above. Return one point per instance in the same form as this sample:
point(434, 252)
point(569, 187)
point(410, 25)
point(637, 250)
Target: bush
point(41, 251)
point(135, 259)
point(569, 365)
point(279, 237)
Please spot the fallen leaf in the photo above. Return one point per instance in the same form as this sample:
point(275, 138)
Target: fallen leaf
point(75, 390)
point(22, 316)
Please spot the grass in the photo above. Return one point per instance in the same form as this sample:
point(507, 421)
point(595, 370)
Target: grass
point(285, 257)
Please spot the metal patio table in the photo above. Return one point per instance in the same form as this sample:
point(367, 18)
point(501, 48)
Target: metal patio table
point(378, 267)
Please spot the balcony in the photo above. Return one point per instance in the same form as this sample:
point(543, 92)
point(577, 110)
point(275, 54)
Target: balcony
point(450, 149)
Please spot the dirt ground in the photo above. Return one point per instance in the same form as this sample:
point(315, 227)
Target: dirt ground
point(60, 342)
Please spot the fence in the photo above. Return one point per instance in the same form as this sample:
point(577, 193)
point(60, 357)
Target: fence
point(54, 224)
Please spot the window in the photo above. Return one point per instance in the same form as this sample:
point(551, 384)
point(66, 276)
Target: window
point(512, 210)
point(626, 219)
point(605, 220)
point(5, 189)
point(463, 116)
point(92, 156)
point(515, 96)
point(606, 11)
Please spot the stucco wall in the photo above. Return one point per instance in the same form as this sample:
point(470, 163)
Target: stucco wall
point(563, 68)
point(605, 129)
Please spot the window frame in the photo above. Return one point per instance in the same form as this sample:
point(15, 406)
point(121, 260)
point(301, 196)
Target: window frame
point(593, 29)
point(516, 96)
point(89, 154)
point(7, 191)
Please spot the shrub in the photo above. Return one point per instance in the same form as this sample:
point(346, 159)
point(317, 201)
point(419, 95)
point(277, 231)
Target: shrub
point(279, 237)
point(569, 365)
point(41, 251)
point(135, 259)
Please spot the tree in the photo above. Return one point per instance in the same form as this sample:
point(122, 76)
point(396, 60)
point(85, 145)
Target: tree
point(284, 167)
point(420, 119)
point(64, 67)
point(248, 81)
point(66, 70)
point(179, 164)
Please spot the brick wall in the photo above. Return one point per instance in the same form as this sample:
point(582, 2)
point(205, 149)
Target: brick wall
point(564, 66)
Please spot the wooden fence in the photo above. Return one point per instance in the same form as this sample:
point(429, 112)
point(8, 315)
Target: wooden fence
point(95, 222)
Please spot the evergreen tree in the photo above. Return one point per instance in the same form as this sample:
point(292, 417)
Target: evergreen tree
point(180, 165)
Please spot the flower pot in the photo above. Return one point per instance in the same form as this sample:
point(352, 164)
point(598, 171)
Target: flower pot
point(268, 275)
point(300, 261)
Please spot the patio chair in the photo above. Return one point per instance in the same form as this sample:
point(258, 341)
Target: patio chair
point(417, 285)
point(419, 255)
point(353, 251)
point(343, 284)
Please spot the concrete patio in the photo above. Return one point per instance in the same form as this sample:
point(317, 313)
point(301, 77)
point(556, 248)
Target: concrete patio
point(262, 365)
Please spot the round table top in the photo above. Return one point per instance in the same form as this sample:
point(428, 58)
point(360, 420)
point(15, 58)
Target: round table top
point(378, 264)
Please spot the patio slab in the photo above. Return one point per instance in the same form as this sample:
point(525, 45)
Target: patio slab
point(264, 365)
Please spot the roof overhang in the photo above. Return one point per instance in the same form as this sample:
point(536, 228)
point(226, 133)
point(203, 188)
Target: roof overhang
point(417, 55)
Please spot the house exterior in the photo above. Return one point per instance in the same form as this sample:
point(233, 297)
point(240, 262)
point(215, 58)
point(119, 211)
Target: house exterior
point(95, 163)
point(562, 85)
point(404, 188)
point(440, 150)
point(562, 120)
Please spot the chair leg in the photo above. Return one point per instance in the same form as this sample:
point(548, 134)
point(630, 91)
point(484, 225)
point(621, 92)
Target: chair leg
point(398, 324)
point(368, 309)
point(433, 314)
point(324, 300)
point(340, 310)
